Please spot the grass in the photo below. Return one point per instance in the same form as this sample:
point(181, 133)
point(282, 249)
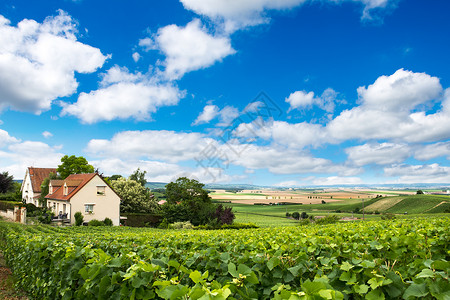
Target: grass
point(264, 221)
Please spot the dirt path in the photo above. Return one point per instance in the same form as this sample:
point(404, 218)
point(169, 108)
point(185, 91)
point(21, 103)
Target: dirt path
point(7, 290)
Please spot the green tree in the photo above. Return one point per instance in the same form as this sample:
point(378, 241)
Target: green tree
point(44, 189)
point(74, 165)
point(139, 176)
point(188, 196)
point(419, 192)
point(6, 183)
point(135, 197)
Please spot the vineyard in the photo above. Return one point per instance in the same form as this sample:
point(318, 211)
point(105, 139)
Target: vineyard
point(403, 259)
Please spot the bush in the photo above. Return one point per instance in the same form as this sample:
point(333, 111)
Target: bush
point(78, 218)
point(9, 204)
point(388, 216)
point(419, 192)
point(45, 217)
point(181, 225)
point(108, 222)
point(304, 222)
point(328, 220)
point(304, 215)
point(323, 202)
point(142, 220)
point(288, 215)
point(227, 226)
point(296, 215)
point(223, 215)
point(95, 223)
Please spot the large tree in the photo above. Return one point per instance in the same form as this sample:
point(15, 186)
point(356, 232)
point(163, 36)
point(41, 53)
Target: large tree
point(6, 183)
point(74, 165)
point(139, 176)
point(189, 197)
point(135, 197)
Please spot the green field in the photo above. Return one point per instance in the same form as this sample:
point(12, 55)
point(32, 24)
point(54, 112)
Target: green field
point(373, 260)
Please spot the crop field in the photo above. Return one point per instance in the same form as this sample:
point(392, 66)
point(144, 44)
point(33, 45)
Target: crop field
point(299, 197)
point(374, 260)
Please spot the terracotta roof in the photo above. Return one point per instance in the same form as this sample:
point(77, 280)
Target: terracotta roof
point(37, 175)
point(56, 182)
point(74, 182)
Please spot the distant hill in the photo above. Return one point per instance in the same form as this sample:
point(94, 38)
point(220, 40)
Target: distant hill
point(415, 204)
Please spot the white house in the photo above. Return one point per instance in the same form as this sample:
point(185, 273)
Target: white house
point(31, 184)
point(85, 193)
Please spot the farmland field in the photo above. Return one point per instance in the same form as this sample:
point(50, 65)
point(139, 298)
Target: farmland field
point(372, 260)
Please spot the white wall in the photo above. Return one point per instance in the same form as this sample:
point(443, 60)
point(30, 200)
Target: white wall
point(105, 206)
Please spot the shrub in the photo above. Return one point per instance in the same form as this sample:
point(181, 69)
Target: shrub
point(78, 218)
point(304, 222)
point(181, 225)
point(95, 223)
point(46, 216)
point(328, 220)
point(304, 215)
point(296, 215)
point(108, 222)
point(419, 192)
point(288, 215)
point(388, 216)
point(142, 220)
point(323, 202)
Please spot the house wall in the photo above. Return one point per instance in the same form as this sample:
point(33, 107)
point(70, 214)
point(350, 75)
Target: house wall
point(27, 190)
point(58, 206)
point(105, 206)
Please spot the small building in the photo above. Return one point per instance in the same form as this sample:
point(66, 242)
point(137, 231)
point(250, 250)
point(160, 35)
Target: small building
point(85, 193)
point(31, 184)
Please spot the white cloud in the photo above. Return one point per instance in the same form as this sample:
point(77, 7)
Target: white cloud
point(237, 14)
point(209, 112)
point(47, 134)
point(6, 139)
point(150, 144)
point(300, 99)
point(38, 62)
point(296, 136)
point(336, 180)
point(20, 155)
point(188, 48)
point(381, 154)
point(433, 150)
point(123, 95)
point(432, 173)
point(305, 100)
point(136, 56)
point(289, 183)
point(391, 109)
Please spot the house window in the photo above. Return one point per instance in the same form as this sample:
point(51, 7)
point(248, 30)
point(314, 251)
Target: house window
point(101, 190)
point(89, 208)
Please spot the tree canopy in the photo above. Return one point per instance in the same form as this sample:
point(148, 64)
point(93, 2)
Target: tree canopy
point(73, 165)
point(135, 197)
point(6, 183)
point(188, 201)
point(139, 176)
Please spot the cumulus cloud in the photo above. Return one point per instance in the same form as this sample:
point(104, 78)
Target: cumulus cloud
point(209, 112)
point(298, 135)
point(305, 100)
point(381, 154)
point(16, 157)
point(162, 145)
point(188, 48)
point(6, 139)
point(38, 62)
point(236, 14)
point(433, 173)
point(390, 109)
point(47, 134)
point(431, 151)
point(123, 95)
point(336, 180)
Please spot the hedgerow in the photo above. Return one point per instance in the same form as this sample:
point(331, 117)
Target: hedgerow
point(373, 260)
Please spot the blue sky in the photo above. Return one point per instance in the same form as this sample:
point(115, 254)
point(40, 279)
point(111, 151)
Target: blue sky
point(286, 92)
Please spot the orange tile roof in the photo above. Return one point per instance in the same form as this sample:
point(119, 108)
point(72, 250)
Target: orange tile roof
point(37, 175)
point(74, 182)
